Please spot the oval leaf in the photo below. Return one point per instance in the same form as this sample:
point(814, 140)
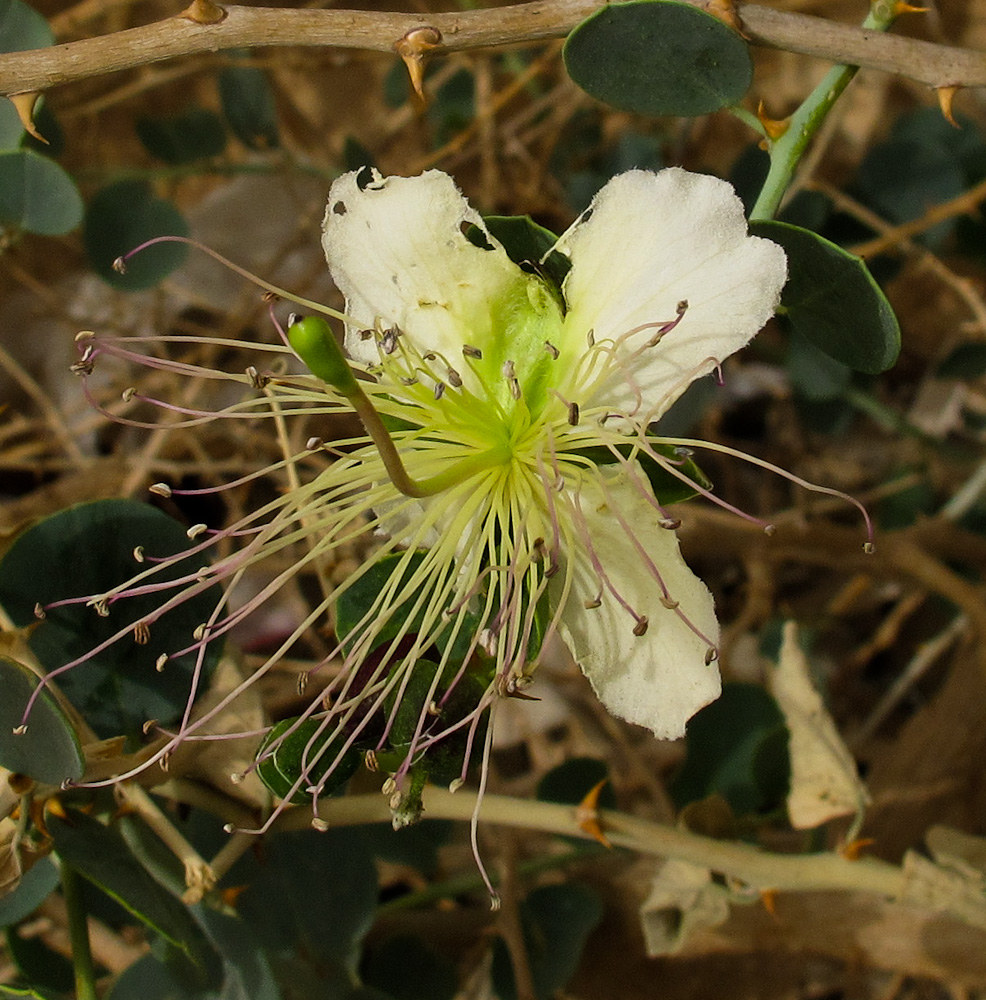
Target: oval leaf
point(22, 27)
point(35, 886)
point(658, 57)
point(832, 300)
point(37, 195)
point(194, 135)
point(86, 550)
point(123, 216)
point(49, 751)
point(248, 104)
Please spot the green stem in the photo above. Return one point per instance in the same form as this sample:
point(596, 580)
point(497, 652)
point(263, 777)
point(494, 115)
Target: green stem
point(85, 978)
point(786, 152)
point(757, 868)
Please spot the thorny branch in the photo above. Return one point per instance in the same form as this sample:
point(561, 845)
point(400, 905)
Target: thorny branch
point(244, 27)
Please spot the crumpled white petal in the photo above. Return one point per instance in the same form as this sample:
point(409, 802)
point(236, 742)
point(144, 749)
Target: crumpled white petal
point(648, 242)
point(658, 680)
point(397, 251)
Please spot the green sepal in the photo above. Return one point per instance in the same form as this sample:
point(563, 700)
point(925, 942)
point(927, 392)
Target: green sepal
point(283, 767)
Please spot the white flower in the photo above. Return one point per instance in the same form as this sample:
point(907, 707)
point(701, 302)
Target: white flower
point(506, 471)
point(503, 387)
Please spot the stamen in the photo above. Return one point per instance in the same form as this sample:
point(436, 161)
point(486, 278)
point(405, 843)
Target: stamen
point(552, 350)
point(472, 352)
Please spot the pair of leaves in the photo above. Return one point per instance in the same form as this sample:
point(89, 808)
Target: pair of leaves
point(36, 194)
point(198, 133)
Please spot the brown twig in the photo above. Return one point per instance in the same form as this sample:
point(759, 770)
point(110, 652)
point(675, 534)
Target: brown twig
point(244, 27)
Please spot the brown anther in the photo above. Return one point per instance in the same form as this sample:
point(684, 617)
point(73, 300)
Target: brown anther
point(39, 612)
point(165, 762)
point(414, 49)
point(142, 633)
point(869, 548)
point(128, 394)
point(237, 777)
point(160, 489)
point(454, 378)
point(472, 352)
point(433, 708)
point(409, 380)
point(84, 366)
point(203, 12)
point(669, 604)
point(119, 265)
point(552, 350)
point(711, 655)
point(388, 342)
point(769, 529)
point(160, 662)
point(257, 380)
point(370, 761)
point(590, 338)
point(439, 390)
point(199, 632)
point(319, 824)
point(587, 814)
point(515, 389)
point(197, 529)
point(366, 335)
point(430, 356)
point(148, 726)
point(314, 444)
point(102, 608)
point(301, 685)
point(388, 787)
point(641, 627)
point(138, 553)
point(20, 730)
point(671, 523)
point(508, 370)
point(573, 414)
point(594, 603)
point(271, 297)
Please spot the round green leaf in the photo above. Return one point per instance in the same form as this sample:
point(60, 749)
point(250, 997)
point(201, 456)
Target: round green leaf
point(248, 104)
point(194, 135)
point(22, 27)
point(557, 920)
point(813, 374)
point(35, 886)
point(725, 752)
point(293, 755)
point(11, 130)
point(87, 550)
point(405, 968)
point(37, 195)
point(659, 57)
point(120, 218)
point(832, 301)
point(49, 751)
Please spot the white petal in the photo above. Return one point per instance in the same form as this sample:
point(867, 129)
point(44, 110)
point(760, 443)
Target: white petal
point(649, 242)
point(397, 251)
point(660, 679)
